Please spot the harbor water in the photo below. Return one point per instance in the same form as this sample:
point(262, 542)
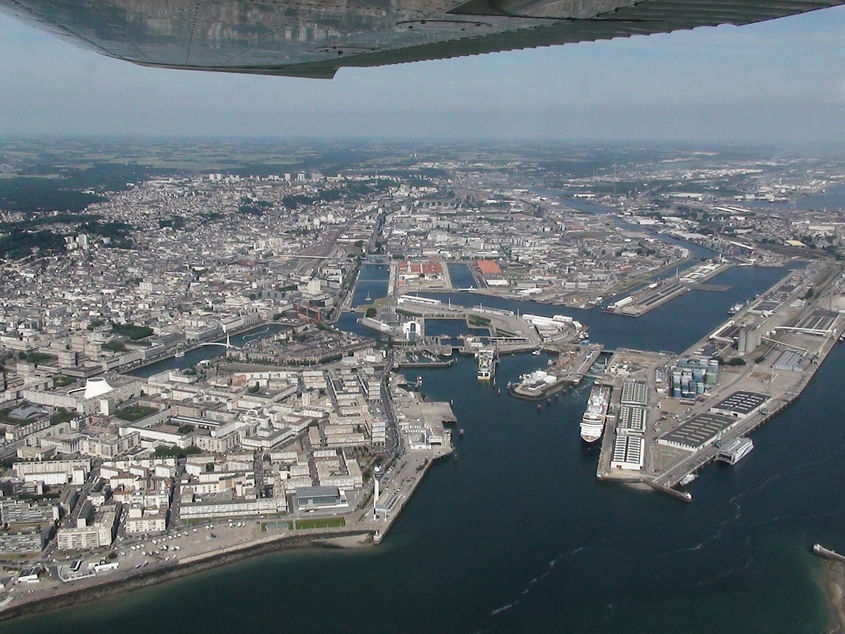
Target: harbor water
point(206, 353)
point(672, 327)
point(372, 284)
point(517, 535)
point(461, 276)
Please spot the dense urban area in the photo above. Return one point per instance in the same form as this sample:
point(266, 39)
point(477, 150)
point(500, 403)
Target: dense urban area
point(210, 348)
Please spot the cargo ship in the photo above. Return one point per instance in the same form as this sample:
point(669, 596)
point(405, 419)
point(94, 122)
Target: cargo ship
point(592, 423)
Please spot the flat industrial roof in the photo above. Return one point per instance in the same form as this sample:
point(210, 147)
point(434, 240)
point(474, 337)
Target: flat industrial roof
point(741, 402)
point(631, 418)
point(635, 392)
point(698, 431)
point(316, 492)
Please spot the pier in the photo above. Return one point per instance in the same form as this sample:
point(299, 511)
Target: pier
point(683, 433)
point(658, 293)
point(572, 365)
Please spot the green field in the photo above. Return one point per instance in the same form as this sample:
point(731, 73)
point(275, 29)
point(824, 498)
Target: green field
point(322, 522)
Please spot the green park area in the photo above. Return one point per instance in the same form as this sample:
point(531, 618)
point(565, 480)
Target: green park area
point(321, 522)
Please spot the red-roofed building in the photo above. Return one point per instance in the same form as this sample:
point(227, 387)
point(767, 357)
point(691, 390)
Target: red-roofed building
point(431, 270)
point(488, 267)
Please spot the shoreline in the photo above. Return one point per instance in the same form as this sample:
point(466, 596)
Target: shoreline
point(350, 539)
point(832, 584)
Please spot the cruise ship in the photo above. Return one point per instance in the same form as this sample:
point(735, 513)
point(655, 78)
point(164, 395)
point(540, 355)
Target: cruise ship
point(592, 423)
point(486, 364)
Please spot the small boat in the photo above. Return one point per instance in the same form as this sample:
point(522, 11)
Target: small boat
point(539, 407)
point(180, 354)
point(536, 353)
point(688, 478)
point(827, 553)
point(461, 432)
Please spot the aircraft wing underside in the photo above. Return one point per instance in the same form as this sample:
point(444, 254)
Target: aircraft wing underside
point(313, 38)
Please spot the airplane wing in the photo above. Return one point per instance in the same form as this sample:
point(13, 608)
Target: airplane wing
point(313, 38)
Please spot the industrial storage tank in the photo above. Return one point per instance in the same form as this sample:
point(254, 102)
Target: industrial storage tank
point(712, 376)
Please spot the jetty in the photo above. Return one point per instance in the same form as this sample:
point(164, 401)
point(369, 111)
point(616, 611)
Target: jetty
point(658, 293)
point(670, 415)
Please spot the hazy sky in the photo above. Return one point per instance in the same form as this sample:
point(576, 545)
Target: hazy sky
point(782, 80)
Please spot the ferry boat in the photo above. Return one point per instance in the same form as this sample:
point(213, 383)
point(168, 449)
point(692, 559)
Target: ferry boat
point(734, 450)
point(592, 423)
point(486, 364)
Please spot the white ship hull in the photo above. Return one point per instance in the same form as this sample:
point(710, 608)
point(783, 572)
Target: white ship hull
point(592, 423)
